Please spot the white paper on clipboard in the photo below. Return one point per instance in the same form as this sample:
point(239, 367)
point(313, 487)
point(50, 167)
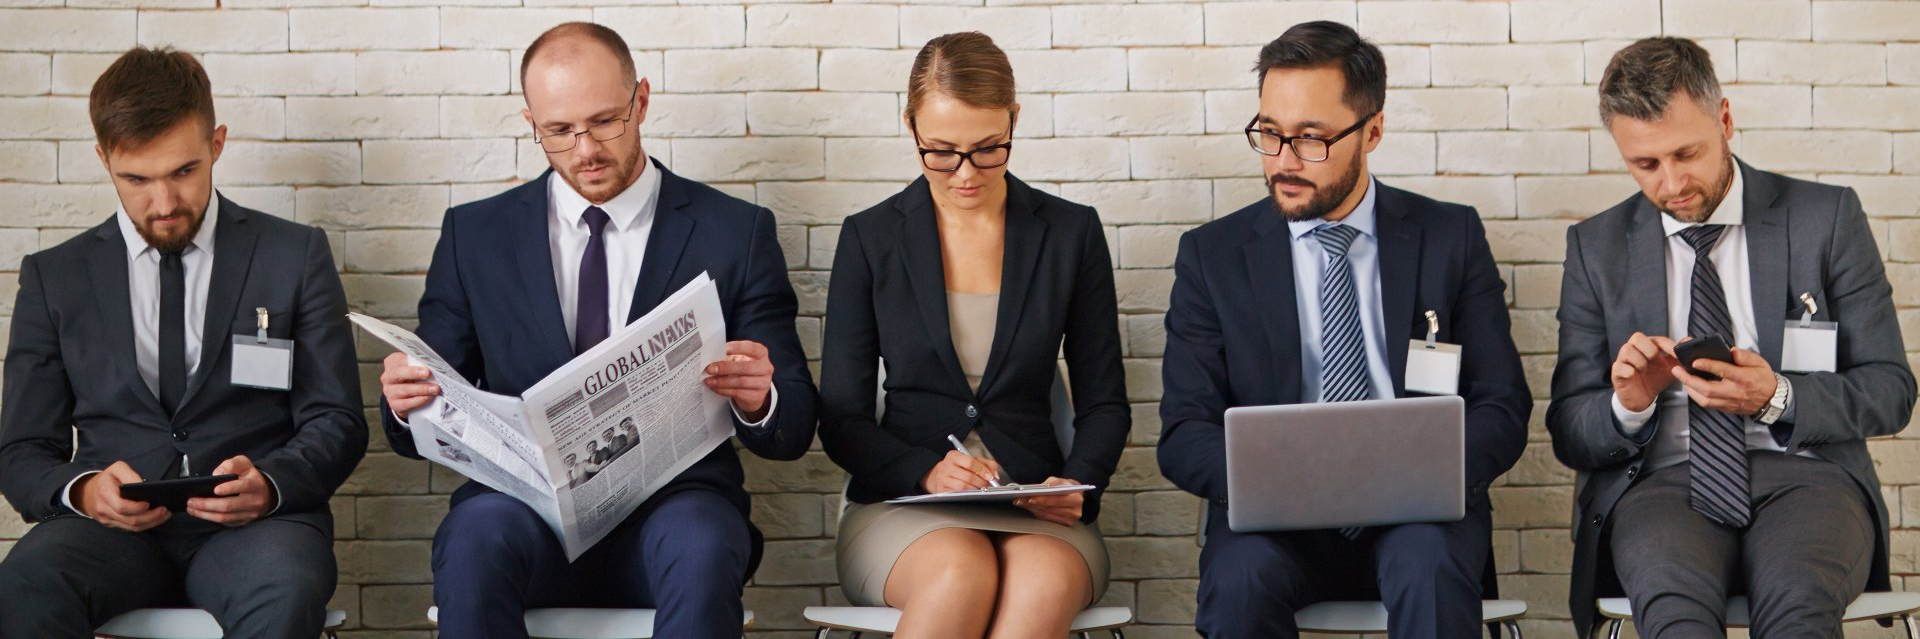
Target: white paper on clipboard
point(997, 493)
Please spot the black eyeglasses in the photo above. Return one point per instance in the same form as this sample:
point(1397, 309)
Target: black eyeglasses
point(948, 161)
point(1307, 148)
point(607, 131)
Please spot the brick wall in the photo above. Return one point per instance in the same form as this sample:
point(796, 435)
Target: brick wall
point(370, 117)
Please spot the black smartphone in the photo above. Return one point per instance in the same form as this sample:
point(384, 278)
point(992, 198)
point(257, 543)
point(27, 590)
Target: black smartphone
point(173, 493)
point(1713, 347)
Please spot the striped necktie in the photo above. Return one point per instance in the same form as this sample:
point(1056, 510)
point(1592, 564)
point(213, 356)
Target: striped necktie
point(1717, 445)
point(1343, 349)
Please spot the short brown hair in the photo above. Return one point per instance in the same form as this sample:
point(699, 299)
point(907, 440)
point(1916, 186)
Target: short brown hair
point(966, 66)
point(1324, 43)
point(597, 33)
point(1641, 79)
point(145, 93)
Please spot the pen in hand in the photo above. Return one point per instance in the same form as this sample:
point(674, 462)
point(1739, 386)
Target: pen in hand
point(963, 450)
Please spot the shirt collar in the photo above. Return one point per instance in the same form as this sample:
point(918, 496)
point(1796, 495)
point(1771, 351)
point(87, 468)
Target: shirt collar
point(202, 241)
point(1731, 212)
point(626, 209)
point(1362, 218)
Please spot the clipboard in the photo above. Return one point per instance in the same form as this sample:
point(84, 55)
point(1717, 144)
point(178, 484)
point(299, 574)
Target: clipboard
point(992, 494)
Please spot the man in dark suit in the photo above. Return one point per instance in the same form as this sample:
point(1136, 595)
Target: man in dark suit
point(524, 281)
point(1313, 296)
point(1758, 466)
point(138, 334)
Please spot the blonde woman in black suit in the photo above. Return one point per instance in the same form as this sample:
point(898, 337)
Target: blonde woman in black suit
point(969, 284)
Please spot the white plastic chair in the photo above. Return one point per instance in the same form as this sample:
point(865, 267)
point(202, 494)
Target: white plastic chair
point(859, 620)
point(590, 623)
point(183, 623)
point(1874, 606)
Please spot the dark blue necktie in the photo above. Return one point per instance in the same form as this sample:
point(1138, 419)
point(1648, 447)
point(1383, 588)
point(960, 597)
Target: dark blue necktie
point(1717, 444)
point(590, 324)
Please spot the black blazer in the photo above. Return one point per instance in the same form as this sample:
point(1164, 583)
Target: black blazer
point(490, 308)
point(71, 367)
point(1233, 334)
point(888, 300)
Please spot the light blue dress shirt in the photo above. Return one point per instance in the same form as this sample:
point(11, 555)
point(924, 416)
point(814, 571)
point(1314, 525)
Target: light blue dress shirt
point(1364, 259)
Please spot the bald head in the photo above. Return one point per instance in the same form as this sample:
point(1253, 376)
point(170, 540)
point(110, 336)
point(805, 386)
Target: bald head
point(578, 47)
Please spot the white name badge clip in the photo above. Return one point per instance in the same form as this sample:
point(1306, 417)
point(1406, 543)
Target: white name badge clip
point(260, 361)
point(1433, 367)
point(1809, 346)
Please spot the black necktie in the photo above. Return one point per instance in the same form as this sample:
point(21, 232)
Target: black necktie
point(1717, 445)
point(173, 330)
point(590, 308)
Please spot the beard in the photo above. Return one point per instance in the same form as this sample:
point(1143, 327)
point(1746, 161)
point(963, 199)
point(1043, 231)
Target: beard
point(174, 243)
point(1710, 197)
point(1324, 200)
point(621, 172)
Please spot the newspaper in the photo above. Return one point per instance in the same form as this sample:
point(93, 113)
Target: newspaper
point(593, 440)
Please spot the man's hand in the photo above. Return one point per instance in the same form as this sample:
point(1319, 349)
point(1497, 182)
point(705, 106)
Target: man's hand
point(745, 376)
point(1643, 368)
point(240, 501)
point(406, 387)
point(98, 496)
point(1059, 509)
point(1744, 388)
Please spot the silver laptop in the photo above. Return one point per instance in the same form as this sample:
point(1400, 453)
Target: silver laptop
point(1336, 465)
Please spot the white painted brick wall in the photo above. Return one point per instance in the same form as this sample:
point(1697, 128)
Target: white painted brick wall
point(370, 117)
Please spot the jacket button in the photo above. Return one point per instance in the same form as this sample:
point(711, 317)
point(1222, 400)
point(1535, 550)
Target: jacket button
point(1633, 471)
point(1596, 521)
point(179, 434)
point(972, 412)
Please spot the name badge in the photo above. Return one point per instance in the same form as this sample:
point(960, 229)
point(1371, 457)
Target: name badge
point(260, 361)
point(1808, 346)
point(1433, 367)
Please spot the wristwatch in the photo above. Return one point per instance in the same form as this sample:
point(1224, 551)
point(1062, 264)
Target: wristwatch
point(1782, 392)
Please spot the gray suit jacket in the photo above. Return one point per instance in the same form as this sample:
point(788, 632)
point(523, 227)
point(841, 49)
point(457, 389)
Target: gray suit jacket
point(70, 366)
point(1802, 237)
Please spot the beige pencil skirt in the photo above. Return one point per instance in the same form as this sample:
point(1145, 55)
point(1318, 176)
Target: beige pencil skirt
point(873, 536)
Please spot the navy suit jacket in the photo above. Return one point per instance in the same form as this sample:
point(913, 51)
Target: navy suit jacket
point(492, 310)
point(1233, 332)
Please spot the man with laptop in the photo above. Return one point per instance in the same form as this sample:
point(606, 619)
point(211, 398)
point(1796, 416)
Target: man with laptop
point(1709, 478)
point(1338, 289)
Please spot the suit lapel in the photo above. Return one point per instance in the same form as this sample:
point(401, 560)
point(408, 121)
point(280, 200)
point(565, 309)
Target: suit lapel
point(666, 242)
point(1647, 266)
point(1025, 233)
point(533, 257)
point(1767, 260)
point(1269, 259)
point(233, 242)
point(927, 275)
point(1399, 238)
point(107, 272)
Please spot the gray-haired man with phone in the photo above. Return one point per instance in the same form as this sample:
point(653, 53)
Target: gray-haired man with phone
point(1709, 478)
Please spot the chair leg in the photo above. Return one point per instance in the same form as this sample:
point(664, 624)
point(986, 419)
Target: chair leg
point(822, 634)
point(1513, 629)
point(1906, 621)
point(1614, 632)
point(1116, 634)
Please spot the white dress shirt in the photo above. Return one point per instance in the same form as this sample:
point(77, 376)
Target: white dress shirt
point(630, 216)
point(1363, 257)
point(1731, 261)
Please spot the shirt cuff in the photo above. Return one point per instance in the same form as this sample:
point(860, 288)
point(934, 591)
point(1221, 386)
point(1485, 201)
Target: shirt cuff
point(277, 501)
point(66, 494)
point(773, 402)
point(1631, 423)
point(397, 418)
